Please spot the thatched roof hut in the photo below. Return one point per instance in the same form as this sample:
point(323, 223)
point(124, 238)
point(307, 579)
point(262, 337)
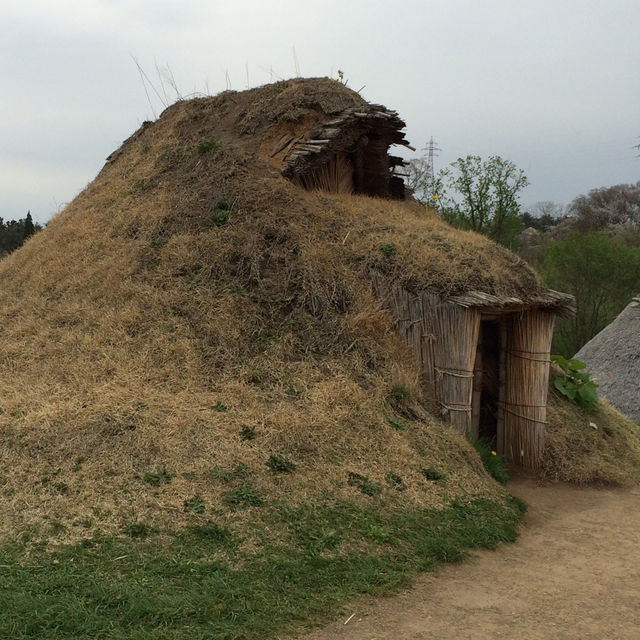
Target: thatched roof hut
point(613, 358)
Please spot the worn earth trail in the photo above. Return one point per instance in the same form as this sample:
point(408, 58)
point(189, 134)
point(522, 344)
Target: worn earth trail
point(574, 573)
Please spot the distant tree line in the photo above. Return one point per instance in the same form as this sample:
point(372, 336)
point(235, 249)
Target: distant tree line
point(13, 233)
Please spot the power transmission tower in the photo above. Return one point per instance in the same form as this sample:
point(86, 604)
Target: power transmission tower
point(433, 149)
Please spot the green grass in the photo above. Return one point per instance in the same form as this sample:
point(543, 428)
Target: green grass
point(200, 586)
point(493, 462)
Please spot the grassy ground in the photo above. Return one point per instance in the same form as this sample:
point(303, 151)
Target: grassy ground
point(202, 584)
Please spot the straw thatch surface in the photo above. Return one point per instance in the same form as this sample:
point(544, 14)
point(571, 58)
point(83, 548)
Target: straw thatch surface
point(191, 291)
point(613, 359)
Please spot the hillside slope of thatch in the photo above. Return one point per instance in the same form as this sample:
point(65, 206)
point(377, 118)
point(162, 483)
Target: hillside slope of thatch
point(613, 358)
point(191, 298)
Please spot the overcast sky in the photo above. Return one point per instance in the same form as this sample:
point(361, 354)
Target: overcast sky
point(552, 85)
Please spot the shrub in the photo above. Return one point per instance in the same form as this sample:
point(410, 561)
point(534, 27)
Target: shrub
point(575, 383)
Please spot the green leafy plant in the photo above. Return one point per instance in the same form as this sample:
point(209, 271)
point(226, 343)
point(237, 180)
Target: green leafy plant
point(398, 425)
point(433, 475)
point(388, 250)
point(195, 504)
point(206, 145)
point(575, 383)
point(363, 483)
point(243, 497)
point(280, 464)
point(220, 214)
point(158, 477)
point(219, 407)
point(228, 475)
point(247, 433)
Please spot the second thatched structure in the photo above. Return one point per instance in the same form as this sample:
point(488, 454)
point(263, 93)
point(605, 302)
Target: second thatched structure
point(613, 358)
point(485, 360)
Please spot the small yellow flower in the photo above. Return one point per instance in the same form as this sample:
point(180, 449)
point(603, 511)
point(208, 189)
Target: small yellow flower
point(493, 453)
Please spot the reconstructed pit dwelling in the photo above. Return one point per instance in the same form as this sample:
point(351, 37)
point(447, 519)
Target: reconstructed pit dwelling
point(484, 359)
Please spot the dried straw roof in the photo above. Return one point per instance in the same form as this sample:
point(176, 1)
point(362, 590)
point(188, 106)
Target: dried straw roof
point(613, 358)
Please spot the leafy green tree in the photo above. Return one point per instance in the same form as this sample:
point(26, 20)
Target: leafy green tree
point(482, 195)
point(602, 275)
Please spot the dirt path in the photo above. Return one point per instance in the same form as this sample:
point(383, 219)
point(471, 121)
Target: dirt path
point(574, 573)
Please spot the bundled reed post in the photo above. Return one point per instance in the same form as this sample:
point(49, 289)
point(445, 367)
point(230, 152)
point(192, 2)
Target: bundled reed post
point(456, 331)
point(526, 386)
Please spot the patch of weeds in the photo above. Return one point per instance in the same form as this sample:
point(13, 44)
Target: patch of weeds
point(366, 486)
point(377, 533)
point(211, 532)
point(220, 215)
point(219, 407)
point(399, 396)
point(576, 384)
point(207, 145)
point(492, 461)
point(158, 477)
point(242, 497)
point(158, 243)
point(137, 530)
point(397, 424)
point(388, 250)
point(190, 476)
point(433, 475)
point(225, 475)
point(195, 504)
point(247, 432)
point(395, 481)
point(280, 464)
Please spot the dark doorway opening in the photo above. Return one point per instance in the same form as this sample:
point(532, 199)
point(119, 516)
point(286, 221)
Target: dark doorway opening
point(486, 396)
